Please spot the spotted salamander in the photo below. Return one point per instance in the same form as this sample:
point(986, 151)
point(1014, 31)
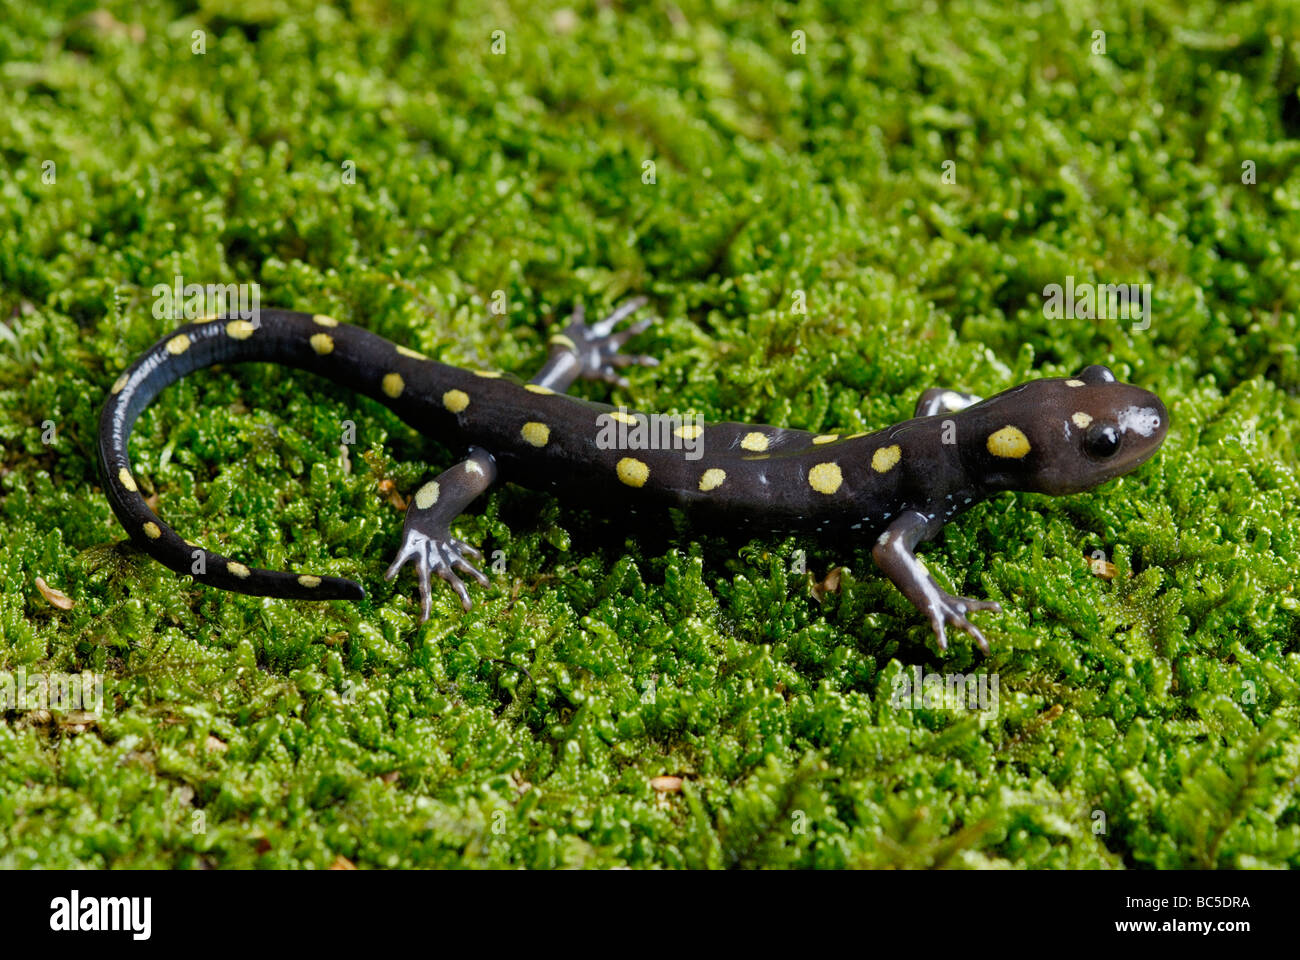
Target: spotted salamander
point(895, 487)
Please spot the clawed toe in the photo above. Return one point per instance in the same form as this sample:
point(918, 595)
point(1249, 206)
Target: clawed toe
point(597, 345)
point(950, 611)
point(442, 555)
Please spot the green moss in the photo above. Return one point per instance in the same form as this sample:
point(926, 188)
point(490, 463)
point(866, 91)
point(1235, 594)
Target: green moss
point(1147, 719)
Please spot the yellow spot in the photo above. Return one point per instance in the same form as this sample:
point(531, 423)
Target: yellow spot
point(633, 472)
point(560, 340)
point(884, 459)
point(325, 321)
point(125, 479)
point(178, 344)
point(1009, 442)
point(413, 354)
point(393, 385)
point(455, 400)
point(623, 416)
point(427, 495)
point(1074, 383)
point(322, 343)
point(489, 374)
point(712, 479)
point(826, 438)
point(538, 388)
point(151, 530)
point(119, 383)
point(854, 436)
point(238, 569)
point(1081, 419)
point(536, 433)
point(240, 329)
point(308, 580)
point(825, 477)
point(754, 441)
point(689, 431)
point(207, 319)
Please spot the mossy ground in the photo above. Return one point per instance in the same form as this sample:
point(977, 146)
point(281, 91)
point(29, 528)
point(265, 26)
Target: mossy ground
point(526, 733)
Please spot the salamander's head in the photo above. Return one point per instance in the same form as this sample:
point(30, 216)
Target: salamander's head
point(1064, 435)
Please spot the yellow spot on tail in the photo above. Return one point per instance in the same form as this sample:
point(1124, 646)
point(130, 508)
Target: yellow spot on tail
point(633, 472)
point(754, 441)
point(308, 580)
point(712, 479)
point(622, 416)
point(152, 531)
point(455, 400)
point(689, 431)
point(413, 354)
point(489, 374)
point(1081, 419)
point(825, 477)
point(826, 438)
point(884, 459)
point(178, 344)
point(536, 433)
point(322, 343)
point(538, 388)
point(393, 385)
point(1009, 442)
point(238, 569)
point(240, 329)
point(560, 340)
point(324, 320)
point(125, 479)
point(1074, 383)
point(427, 495)
point(119, 383)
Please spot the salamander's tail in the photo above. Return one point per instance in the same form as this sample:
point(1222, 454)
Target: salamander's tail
point(183, 351)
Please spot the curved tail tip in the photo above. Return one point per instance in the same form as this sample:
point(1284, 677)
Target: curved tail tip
point(337, 588)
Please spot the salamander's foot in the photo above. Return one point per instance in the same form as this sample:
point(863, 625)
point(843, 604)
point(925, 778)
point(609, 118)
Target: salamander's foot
point(938, 400)
point(944, 609)
point(597, 345)
point(442, 554)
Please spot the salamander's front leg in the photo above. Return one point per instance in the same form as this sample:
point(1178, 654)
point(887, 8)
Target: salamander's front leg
point(426, 535)
point(590, 351)
point(893, 554)
point(939, 400)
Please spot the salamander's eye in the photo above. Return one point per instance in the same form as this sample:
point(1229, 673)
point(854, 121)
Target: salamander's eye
point(1101, 440)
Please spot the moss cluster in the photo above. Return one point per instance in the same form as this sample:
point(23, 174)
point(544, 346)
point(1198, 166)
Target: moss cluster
point(1147, 718)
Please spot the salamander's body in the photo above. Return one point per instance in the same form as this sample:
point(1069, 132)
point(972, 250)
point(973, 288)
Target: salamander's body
point(897, 486)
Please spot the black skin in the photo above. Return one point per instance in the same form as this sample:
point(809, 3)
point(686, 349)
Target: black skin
point(897, 486)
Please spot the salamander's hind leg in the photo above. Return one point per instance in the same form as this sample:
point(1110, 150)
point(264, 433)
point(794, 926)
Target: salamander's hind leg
point(938, 400)
point(591, 351)
point(426, 535)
